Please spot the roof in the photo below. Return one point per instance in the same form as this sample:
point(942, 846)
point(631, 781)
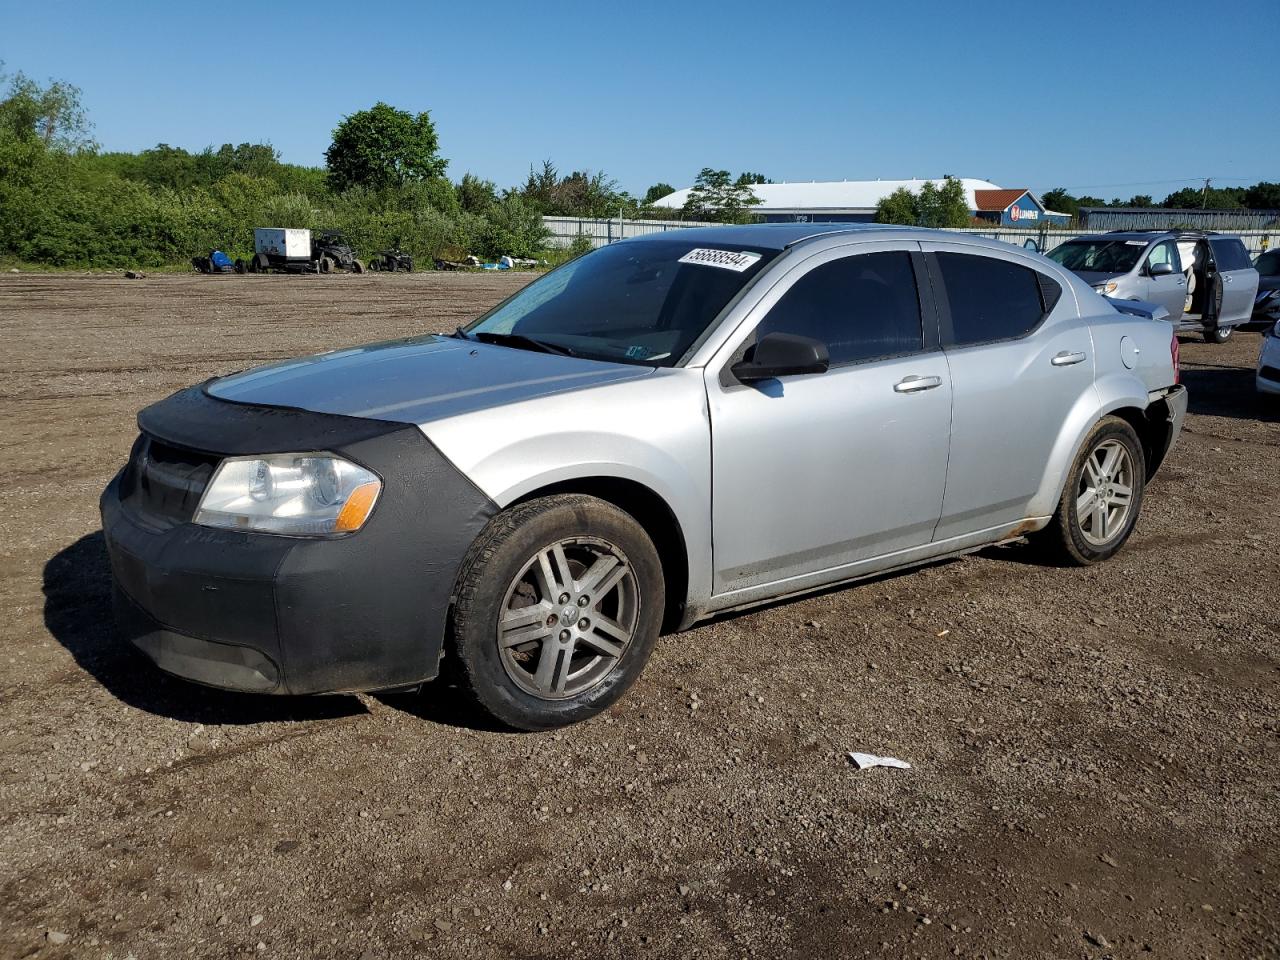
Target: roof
point(767, 236)
point(994, 201)
point(778, 236)
point(862, 195)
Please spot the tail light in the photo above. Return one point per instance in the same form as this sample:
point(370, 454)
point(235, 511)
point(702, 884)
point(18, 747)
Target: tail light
point(1173, 352)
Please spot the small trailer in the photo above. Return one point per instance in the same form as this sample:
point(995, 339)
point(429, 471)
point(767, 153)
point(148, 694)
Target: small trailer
point(290, 250)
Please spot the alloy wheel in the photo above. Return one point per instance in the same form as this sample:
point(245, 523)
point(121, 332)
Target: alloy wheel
point(568, 617)
point(1104, 493)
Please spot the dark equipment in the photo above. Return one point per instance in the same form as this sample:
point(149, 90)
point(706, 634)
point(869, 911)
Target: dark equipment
point(392, 261)
point(218, 262)
point(332, 252)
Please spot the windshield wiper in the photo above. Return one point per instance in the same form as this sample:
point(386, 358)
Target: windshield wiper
point(521, 342)
point(460, 334)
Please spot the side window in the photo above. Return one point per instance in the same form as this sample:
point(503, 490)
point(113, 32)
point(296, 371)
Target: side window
point(1164, 253)
point(990, 299)
point(1229, 253)
point(862, 307)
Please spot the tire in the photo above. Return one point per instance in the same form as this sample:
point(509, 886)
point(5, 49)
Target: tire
point(513, 567)
point(357, 266)
point(240, 266)
point(325, 265)
point(260, 263)
point(375, 265)
point(1068, 540)
point(1218, 334)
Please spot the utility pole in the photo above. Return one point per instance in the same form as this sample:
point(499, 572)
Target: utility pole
point(1204, 194)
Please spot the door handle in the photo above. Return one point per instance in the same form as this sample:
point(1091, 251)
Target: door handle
point(1066, 358)
point(914, 384)
point(1182, 281)
point(1227, 277)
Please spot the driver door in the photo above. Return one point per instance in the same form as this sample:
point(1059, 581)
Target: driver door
point(1169, 290)
point(815, 472)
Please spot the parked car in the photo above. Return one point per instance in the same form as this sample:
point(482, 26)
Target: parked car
point(1268, 378)
point(1266, 305)
point(667, 428)
point(1204, 280)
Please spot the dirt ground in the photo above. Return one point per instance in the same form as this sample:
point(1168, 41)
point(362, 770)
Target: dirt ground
point(1095, 753)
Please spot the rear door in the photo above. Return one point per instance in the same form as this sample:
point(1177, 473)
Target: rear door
point(1020, 361)
point(1169, 289)
point(814, 472)
point(1239, 279)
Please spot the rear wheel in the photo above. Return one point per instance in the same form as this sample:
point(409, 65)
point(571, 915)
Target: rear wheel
point(560, 601)
point(1102, 498)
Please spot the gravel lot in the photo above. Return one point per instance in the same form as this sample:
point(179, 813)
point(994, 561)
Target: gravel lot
point(1095, 752)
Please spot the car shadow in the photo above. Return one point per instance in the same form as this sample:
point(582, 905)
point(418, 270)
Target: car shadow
point(1224, 390)
point(78, 614)
point(444, 701)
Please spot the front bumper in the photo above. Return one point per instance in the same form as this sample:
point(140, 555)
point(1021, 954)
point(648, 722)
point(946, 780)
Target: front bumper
point(272, 614)
point(1267, 379)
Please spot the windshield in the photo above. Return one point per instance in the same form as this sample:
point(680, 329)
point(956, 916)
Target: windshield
point(1099, 256)
point(644, 302)
point(1269, 264)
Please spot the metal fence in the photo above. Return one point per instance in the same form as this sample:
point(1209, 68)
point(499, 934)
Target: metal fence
point(564, 230)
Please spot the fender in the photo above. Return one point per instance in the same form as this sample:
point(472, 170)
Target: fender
point(660, 440)
point(1111, 392)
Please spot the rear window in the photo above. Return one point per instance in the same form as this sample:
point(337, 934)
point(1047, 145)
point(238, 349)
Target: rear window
point(990, 299)
point(1229, 253)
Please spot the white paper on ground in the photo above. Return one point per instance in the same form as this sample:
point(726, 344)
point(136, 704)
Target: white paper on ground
point(864, 760)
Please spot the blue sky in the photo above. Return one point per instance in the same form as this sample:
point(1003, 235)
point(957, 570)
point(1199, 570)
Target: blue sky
point(1110, 98)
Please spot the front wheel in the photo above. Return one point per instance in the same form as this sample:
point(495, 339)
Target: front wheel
point(1102, 498)
point(559, 605)
point(1218, 334)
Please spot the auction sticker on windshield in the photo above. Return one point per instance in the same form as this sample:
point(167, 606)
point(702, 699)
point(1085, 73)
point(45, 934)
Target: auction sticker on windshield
point(725, 259)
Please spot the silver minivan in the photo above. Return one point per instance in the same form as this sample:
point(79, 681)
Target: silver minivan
point(1204, 280)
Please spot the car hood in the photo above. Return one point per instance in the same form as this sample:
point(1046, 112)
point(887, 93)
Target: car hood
point(1096, 277)
point(417, 380)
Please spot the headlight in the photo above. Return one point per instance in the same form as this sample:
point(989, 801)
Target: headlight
point(296, 494)
point(1108, 288)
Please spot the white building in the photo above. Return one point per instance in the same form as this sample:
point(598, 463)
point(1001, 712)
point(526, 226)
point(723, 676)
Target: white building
point(846, 201)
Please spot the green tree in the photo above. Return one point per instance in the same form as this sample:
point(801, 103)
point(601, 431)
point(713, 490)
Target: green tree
point(582, 193)
point(1060, 201)
point(752, 179)
point(657, 192)
point(716, 197)
point(944, 206)
point(1214, 198)
point(898, 207)
point(384, 147)
point(1263, 196)
point(1140, 200)
point(51, 115)
point(476, 195)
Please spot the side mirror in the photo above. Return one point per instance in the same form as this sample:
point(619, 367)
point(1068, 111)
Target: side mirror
point(783, 355)
point(1160, 269)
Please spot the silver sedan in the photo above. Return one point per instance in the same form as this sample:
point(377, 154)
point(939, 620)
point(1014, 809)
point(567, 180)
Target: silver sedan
point(664, 429)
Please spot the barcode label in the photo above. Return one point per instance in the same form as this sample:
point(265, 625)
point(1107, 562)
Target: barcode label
point(725, 259)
